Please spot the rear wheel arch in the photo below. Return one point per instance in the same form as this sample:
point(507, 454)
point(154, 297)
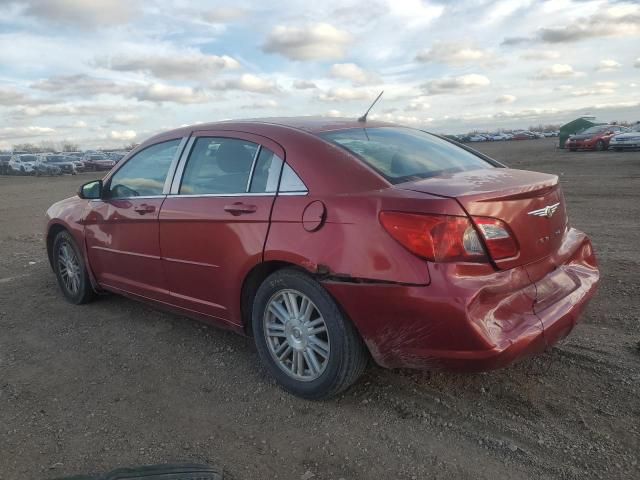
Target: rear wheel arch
point(250, 285)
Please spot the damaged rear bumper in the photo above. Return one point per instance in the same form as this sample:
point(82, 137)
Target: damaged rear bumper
point(471, 317)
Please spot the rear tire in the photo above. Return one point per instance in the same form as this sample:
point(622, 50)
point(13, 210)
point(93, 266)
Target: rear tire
point(70, 270)
point(303, 338)
point(601, 146)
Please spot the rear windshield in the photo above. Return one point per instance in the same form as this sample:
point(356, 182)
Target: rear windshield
point(403, 154)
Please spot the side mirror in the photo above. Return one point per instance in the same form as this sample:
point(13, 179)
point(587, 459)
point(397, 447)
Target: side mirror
point(91, 190)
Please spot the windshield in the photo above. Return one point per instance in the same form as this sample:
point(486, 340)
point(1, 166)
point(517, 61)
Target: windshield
point(55, 158)
point(403, 154)
point(596, 129)
point(28, 158)
point(97, 157)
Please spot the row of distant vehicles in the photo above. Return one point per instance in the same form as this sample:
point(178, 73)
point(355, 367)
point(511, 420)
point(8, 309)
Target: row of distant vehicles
point(502, 136)
point(60, 163)
point(604, 137)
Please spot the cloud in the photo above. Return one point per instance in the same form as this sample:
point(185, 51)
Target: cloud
point(65, 109)
point(637, 63)
point(222, 14)
point(248, 83)
point(351, 71)
point(513, 41)
point(345, 94)
point(158, 92)
point(540, 55)
point(600, 88)
point(11, 96)
point(12, 133)
point(454, 54)
point(81, 13)
point(126, 135)
point(174, 66)
point(80, 85)
point(506, 99)
point(124, 118)
point(608, 65)
point(557, 70)
point(616, 21)
point(319, 41)
point(459, 84)
point(304, 84)
point(419, 104)
point(260, 105)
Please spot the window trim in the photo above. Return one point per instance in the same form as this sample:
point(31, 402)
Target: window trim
point(174, 191)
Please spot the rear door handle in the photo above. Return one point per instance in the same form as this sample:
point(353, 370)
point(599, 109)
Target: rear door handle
point(240, 208)
point(145, 208)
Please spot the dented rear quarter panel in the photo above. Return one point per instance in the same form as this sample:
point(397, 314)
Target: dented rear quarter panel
point(351, 243)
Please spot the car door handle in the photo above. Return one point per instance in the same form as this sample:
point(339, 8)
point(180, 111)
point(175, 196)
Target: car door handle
point(240, 208)
point(144, 208)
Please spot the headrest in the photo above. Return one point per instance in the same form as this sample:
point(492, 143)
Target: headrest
point(234, 157)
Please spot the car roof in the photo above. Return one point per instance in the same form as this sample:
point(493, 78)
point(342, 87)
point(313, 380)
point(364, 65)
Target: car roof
point(311, 124)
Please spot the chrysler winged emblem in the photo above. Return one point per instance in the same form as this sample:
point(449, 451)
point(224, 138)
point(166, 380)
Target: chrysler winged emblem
point(547, 211)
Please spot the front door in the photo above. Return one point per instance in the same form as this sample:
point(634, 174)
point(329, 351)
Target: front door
point(214, 224)
point(122, 232)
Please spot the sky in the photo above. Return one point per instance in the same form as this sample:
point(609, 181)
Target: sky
point(104, 73)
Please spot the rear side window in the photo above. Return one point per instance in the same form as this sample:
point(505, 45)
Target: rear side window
point(267, 173)
point(403, 154)
point(218, 166)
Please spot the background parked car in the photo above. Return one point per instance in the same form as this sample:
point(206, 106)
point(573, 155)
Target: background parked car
point(4, 163)
point(63, 163)
point(626, 140)
point(44, 167)
point(97, 161)
point(523, 135)
point(22, 164)
point(594, 138)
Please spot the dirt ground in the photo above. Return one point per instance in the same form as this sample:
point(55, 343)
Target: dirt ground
point(117, 383)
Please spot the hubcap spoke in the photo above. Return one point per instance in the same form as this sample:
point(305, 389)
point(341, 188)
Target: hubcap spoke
point(297, 335)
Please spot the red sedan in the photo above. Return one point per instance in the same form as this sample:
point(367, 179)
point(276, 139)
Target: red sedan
point(330, 242)
point(594, 138)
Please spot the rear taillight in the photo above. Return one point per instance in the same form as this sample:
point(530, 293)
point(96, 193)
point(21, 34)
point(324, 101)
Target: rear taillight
point(439, 238)
point(497, 237)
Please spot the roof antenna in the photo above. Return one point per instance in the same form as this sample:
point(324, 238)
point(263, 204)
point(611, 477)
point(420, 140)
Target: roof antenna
point(363, 118)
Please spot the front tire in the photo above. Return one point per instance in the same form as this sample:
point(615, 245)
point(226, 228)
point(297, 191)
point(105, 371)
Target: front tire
point(70, 270)
point(303, 338)
point(601, 146)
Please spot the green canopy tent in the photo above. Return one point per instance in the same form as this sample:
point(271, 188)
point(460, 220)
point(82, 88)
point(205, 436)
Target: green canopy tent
point(575, 126)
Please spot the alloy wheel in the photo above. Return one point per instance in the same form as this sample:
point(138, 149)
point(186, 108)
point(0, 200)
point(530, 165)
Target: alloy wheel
point(296, 335)
point(69, 268)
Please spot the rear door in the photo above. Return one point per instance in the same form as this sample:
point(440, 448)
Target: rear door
point(121, 229)
point(214, 223)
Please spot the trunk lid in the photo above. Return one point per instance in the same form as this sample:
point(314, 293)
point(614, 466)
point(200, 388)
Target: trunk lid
point(530, 203)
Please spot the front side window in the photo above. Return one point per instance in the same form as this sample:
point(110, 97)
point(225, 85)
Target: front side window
point(403, 154)
point(218, 166)
point(145, 173)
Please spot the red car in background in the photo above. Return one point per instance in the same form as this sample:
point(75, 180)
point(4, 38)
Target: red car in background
point(97, 162)
point(594, 138)
point(332, 241)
